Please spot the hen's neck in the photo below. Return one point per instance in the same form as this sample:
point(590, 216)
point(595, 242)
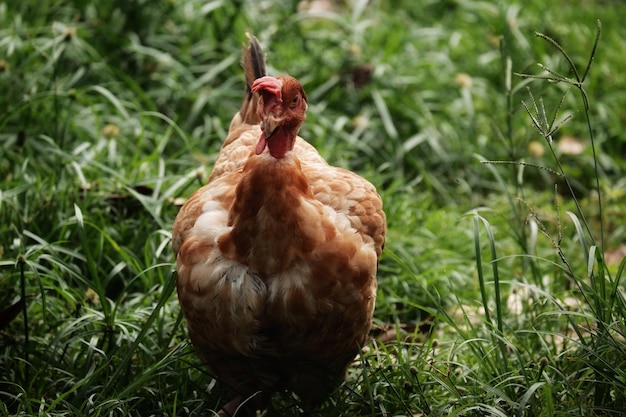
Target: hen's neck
point(281, 142)
point(266, 216)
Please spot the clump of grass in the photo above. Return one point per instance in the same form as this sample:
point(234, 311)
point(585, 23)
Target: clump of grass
point(577, 342)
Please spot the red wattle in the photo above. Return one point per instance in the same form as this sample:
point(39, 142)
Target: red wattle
point(261, 144)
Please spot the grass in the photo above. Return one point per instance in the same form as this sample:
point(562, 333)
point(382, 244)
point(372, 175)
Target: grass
point(501, 286)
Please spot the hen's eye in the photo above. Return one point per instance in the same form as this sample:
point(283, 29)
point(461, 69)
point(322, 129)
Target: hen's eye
point(295, 100)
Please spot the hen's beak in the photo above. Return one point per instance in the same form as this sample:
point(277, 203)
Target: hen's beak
point(270, 123)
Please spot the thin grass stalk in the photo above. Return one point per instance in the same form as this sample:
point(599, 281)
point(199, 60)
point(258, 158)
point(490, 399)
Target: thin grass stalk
point(496, 277)
point(602, 270)
point(590, 130)
point(21, 262)
point(509, 97)
point(479, 268)
point(91, 265)
point(55, 93)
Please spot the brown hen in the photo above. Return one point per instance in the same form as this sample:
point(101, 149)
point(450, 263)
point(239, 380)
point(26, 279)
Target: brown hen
point(276, 256)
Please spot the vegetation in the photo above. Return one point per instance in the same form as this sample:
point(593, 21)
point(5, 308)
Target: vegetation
point(501, 287)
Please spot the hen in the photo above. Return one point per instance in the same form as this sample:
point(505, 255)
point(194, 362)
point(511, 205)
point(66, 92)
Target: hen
point(276, 256)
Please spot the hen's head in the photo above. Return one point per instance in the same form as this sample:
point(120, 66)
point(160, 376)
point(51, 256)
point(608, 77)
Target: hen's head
point(282, 110)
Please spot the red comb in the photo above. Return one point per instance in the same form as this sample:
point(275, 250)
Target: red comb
point(269, 84)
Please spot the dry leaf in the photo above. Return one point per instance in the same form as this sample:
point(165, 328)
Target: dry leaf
point(615, 256)
point(569, 145)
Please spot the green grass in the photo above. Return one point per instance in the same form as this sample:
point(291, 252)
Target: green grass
point(501, 286)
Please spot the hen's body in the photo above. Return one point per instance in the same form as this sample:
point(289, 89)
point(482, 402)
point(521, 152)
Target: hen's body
point(276, 262)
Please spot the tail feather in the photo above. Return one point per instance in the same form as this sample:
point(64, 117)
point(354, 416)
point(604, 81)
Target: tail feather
point(254, 67)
